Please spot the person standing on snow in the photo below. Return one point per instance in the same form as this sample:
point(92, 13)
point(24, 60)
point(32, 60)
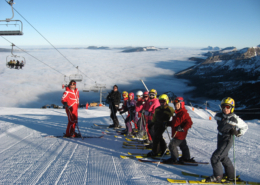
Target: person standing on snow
point(229, 124)
point(181, 123)
point(125, 99)
point(138, 114)
point(149, 108)
point(70, 100)
point(160, 120)
point(114, 100)
point(130, 107)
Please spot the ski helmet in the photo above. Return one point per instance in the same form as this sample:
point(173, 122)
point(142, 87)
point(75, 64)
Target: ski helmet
point(228, 101)
point(179, 100)
point(125, 93)
point(146, 93)
point(164, 97)
point(132, 94)
point(153, 92)
point(139, 94)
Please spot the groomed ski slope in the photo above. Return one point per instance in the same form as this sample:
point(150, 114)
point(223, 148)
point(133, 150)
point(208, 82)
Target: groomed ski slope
point(28, 157)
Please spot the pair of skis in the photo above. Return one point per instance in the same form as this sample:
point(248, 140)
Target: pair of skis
point(51, 136)
point(224, 180)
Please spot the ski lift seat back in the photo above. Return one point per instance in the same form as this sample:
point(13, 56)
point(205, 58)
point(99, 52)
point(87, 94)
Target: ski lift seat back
point(76, 77)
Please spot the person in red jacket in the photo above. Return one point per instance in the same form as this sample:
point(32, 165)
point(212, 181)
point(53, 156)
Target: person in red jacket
point(138, 115)
point(70, 100)
point(125, 99)
point(180, 124)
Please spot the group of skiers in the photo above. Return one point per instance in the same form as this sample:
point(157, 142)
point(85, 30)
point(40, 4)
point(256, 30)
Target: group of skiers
point(148, 117)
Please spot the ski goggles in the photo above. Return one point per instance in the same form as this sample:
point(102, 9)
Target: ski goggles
point(73, 83)
point(139, 96)
point(162, 101)
point(146, 96)
point(177, 101)
point(226, 106)
point(152, 95)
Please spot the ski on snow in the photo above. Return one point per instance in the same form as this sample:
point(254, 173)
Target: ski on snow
point(156, 162)
point(75, 137)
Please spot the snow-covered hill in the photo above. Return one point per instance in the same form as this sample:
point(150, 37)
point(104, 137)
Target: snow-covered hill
point(28, 157)
point(228, 73)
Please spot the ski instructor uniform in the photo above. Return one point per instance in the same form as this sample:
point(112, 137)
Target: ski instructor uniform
point(70, 100)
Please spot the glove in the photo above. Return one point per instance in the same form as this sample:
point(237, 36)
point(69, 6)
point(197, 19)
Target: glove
point(147, 113)
point(179, 129)
point(232, 121)
point(65, 104)
point(121, 112)
point(165, 124)
point(235, 132)
point(150, 125)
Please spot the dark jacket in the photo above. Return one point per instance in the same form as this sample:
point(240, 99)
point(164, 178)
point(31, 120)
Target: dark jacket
point(161, 116)
point(114, 97)
point(183, 119)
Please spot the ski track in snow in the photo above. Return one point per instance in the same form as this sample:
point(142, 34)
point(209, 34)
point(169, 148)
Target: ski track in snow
point(28, 157)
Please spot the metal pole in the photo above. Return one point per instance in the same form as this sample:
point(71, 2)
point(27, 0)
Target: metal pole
point(166, 148)
point(234, 157)
point(144, 85)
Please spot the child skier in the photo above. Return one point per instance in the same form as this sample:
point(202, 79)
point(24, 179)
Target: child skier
point(70, 100)
point(139, 122)
point(229, 124)
point(125, 99)
point(180, 124)
point(149, 108)
point(160, 119)
point(130, 107)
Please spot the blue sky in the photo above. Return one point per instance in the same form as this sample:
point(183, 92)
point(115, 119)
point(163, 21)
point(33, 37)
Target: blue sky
point(164, 23)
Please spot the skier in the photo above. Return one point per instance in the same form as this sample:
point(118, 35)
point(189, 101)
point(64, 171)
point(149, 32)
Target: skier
point(130, 107)
point(229, 124)
point(70, 100)
point(114, 100)
point(150, 107)
point(181, 122)
point(160, 120)
point(138, 115)
point(125, 99)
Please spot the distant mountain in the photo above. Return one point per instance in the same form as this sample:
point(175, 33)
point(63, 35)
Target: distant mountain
point(258, 45)
point(139, 49)
point(96, 47)
point(229, 72)
point(211, 48)
point(5, 50)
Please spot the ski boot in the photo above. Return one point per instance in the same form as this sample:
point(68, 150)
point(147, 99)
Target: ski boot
point(129, 135)
point(151, 154)
point(191, 160)
point(212, 179)
point(169, 161)
point(76, 135)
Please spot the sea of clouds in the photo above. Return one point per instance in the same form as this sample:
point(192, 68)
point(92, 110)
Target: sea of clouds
point(37, 85)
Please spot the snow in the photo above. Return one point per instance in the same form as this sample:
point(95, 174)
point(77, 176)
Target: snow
point(37, 85)
point(28, 157)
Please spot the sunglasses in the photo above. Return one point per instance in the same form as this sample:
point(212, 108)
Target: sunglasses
point(177, 101)
point(162, 101)
point(226, 107)
point(73, 83)
point(146, 96)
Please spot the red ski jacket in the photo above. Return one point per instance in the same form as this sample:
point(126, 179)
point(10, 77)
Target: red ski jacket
point(71, 97)
point(183, 119)
point(139, 106)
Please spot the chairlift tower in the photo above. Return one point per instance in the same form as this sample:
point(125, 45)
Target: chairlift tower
point(96, 88)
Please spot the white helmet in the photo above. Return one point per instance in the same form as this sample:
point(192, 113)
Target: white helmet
point(139, 93)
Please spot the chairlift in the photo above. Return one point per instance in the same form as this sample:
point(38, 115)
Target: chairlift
point(77, 77)
point(8, 32)
point(15, 61)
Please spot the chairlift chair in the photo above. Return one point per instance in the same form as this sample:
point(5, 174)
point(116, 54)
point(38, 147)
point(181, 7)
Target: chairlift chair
point(7, 32)
point(15, 61)
point(77, 77)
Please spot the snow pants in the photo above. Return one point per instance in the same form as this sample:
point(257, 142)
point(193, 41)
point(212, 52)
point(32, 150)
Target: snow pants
point(220, 156)
point(183, 146)
point(159, 144)
point(113, 109)
point(72, 114)
point(128, 124)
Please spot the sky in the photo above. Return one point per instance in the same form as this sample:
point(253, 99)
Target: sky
point(165, 23)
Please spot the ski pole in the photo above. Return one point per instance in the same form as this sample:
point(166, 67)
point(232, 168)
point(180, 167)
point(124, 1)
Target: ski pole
point(77, 126)
point(234, 157)
point(166, 149)
point(144, 85)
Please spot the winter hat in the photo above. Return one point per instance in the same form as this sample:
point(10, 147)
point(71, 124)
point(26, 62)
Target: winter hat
point(115, 86)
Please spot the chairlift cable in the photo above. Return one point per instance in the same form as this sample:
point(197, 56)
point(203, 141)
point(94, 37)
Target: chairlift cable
point(33, 56)
point(50, 43)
